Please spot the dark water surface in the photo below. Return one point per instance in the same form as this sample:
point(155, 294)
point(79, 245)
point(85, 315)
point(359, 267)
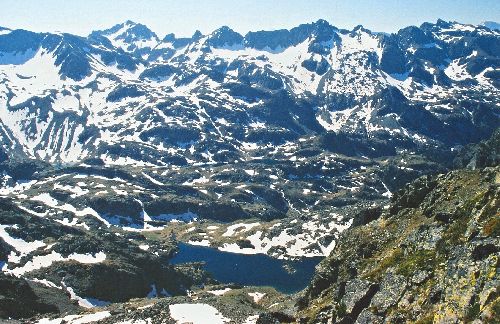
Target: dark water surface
point(250, 270)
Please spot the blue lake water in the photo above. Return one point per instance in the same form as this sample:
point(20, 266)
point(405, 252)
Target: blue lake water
point(250, 270)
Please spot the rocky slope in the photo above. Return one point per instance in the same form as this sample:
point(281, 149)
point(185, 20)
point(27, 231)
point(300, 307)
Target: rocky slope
point(48, 266)
point(431, 256)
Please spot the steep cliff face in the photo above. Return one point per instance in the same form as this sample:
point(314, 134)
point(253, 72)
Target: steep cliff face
point(477, 156)
point(432, 256)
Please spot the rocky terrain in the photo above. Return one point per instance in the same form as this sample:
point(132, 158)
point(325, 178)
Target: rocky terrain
point(432, 256)
point(429, 256)
point(56, 263)
point(289, 143)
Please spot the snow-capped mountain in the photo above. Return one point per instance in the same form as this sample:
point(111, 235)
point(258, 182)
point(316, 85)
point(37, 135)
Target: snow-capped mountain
point(273, 142)
point(343, 115)
point(68, 98)
point(131, 37)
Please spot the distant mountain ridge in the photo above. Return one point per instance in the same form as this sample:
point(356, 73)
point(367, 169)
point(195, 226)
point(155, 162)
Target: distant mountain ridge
point(330, 77)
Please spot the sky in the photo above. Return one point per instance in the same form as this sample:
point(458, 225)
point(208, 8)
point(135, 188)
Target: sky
point(183, 17)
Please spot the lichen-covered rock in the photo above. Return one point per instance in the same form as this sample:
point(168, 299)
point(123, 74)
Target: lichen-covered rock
point(367, 317)
point(433, 256)
point(392, 288)
point(355, 291)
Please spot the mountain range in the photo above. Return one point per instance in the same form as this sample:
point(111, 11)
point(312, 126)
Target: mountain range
point(69, 98)
point(119, 145)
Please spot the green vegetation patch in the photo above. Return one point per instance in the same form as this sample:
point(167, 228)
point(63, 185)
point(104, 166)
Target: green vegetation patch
point(389, 261)
point(416, 261)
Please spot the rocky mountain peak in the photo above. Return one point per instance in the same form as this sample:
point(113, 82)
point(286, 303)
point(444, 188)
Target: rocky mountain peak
point(138, 31)
point(169, 38)
point(132, 37)
point(323, 31)
point(320, 31)
point(413, 35)
point(443, 24)
point(18, 41)
point(128, 28)
point(197, 35)
point(224, 36)
point(361, 28)
point(322, 23)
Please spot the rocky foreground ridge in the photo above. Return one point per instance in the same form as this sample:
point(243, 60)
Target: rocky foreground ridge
point(432, 256)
